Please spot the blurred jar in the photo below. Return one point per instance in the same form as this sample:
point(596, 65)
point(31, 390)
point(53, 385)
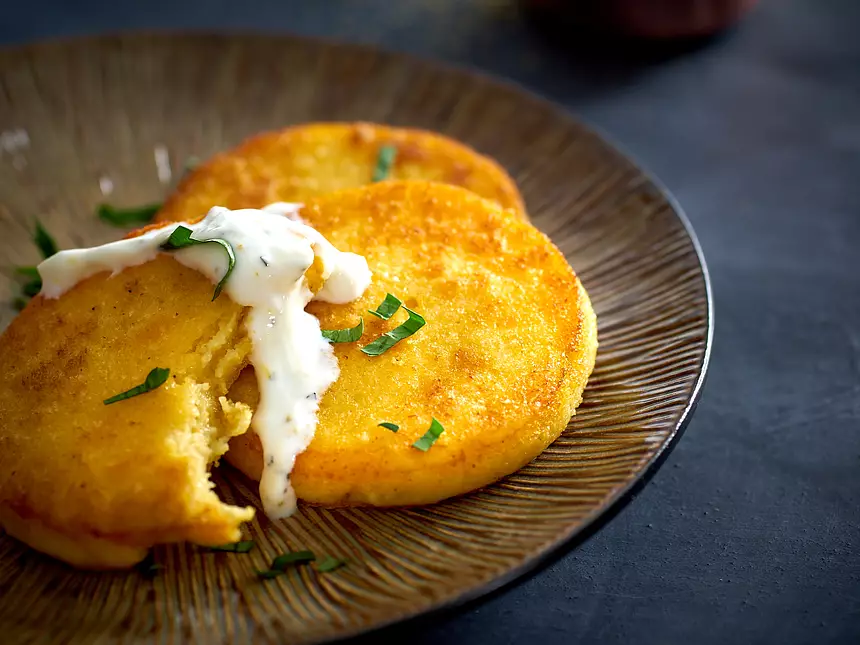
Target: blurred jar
point(657, 19)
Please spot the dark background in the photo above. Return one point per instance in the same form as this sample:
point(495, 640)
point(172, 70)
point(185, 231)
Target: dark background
point(750, 533)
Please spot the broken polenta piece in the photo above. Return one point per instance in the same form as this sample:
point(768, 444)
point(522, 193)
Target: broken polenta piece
point(95, 484)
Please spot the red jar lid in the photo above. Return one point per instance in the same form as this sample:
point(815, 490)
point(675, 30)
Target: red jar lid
point(647, 18)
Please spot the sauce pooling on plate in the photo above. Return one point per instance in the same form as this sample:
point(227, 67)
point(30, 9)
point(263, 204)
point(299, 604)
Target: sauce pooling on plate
point(293, 362)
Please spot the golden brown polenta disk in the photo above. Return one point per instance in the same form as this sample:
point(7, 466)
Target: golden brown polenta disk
point(509, 344)
point(305, 161)
point(97, 485)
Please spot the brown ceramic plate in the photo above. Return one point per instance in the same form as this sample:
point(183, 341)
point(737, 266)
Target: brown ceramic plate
point(86, 117)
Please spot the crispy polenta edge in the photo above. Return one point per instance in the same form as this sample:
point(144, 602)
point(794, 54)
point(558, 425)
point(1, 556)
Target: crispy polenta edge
point(250, 175)
point(246, 451)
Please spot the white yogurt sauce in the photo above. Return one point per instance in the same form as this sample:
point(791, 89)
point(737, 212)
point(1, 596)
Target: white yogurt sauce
point(293, 362)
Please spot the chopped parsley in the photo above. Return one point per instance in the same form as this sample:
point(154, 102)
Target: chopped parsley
point(330, 564)
point(156, 378)
point(149, 567)
point(32, 287)
point(236, 547)
point(384, 162)
point(268, 574)
point(430, 437)
point(47, 247)
point(127, 216)
point(344, 335)
point(294, 557)
point(44, 241)
point(391, 338)
point(282, 562)
point(389, 426)
point(387, 308)
point(28, 272)
point(181, 238)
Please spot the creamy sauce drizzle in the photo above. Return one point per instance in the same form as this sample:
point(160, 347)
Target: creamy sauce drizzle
point(293, 362)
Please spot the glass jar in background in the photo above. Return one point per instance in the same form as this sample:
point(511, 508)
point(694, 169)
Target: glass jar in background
point(650, 19)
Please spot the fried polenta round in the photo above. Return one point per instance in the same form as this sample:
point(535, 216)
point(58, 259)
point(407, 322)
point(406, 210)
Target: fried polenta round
point(305, 161)
point(96, 485)
point(502, 362)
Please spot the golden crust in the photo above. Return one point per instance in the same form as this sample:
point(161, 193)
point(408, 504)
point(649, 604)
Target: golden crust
point(97, 485)
point(303, 162)
point(502, 363)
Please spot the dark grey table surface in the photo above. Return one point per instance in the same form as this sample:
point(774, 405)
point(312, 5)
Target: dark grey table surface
point(750, 533)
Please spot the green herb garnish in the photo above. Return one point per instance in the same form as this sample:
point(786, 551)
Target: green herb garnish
point(429, 438)
point(391, 338)
point(389, 426)
point(154, 379)
point(294, 557)
point(44, 241)
point(330, 564)
point(29, 272)
point(280, 564)
point(181, 238)
point(235, 547)
point(384, 162)
point(268, 574)
point(127, 216)
point(32, 288)
point(149, 567)
point(387, 308)
point(344, 335)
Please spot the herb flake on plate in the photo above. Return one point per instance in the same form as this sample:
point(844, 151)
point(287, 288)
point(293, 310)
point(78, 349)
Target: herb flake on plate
point(28, 272)
point(44, 241)
point(294, 557)
point(244, 546)
point(47, 247)
point(32, 288)
point(282, 562)
point(330, 564)
point(127, 216)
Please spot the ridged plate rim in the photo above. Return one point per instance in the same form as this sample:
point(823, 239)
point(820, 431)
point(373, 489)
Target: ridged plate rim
point(602, 514)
